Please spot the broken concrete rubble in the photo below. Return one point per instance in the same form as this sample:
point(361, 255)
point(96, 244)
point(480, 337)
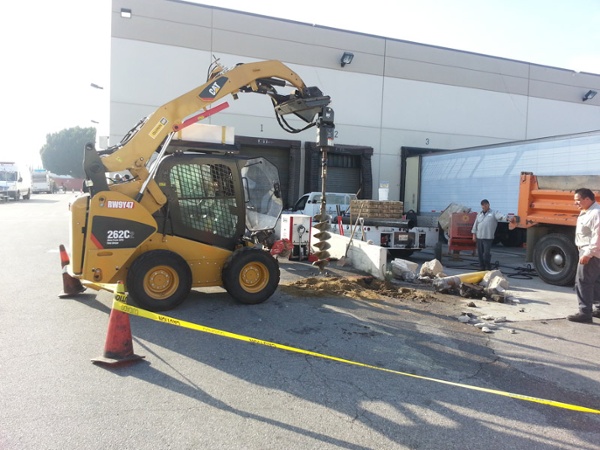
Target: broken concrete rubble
point(453, 283)
point(486, 323)
point(492, 284)
point(431, 269)
point(404, 270)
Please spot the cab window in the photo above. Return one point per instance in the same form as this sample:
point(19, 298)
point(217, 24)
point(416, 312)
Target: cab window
point(301, 203)
point(206, 197)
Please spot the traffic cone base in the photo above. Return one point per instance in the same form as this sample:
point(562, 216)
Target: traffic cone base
point(103, 360)
point(118, 348)
point(71, 285)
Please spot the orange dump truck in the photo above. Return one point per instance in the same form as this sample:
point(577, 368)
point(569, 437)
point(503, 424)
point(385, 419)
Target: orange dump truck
point(548, 212)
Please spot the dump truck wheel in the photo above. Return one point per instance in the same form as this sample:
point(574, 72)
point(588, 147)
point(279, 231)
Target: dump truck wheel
point(555, 257)
point(159, 280)
point(251, 275)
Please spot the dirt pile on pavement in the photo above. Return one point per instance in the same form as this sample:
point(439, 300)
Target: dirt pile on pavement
point(368, 288)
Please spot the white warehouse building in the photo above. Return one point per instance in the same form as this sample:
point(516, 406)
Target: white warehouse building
point(396, 99)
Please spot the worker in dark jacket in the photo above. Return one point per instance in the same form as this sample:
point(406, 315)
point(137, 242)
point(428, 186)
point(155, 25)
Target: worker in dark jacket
point(483, 233)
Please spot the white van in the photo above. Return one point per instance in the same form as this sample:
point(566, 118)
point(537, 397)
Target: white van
point(15, 181)
point(310, 204)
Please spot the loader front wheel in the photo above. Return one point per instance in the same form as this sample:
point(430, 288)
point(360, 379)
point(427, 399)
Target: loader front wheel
point(251, 275)
point(159, 280)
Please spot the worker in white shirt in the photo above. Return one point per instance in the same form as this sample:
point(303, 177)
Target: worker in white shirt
point(587, 240)
point(483, 233)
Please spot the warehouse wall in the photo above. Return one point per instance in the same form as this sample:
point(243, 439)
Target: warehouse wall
point(394, 94)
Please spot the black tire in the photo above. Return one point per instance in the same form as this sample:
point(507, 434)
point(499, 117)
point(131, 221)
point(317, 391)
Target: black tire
point(17, 195)
point(251, 275)
point(27, 196)
point(501, 235)
point(400, 253)
point(443, 236)
point(509, 238)
point(159, 280)
point(555, 257)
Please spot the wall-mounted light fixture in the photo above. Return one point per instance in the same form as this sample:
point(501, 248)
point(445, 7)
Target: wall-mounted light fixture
point(125, 13)
point(589, 95)
point(347, 58)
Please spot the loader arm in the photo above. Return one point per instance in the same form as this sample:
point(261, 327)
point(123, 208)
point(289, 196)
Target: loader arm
point(135, 150)
point(148, 136)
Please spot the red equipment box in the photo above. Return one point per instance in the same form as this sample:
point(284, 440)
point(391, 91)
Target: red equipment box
point(460, 234)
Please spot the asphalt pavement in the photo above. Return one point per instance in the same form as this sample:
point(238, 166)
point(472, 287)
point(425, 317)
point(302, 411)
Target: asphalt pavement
point(413, 381)
point(535, 336)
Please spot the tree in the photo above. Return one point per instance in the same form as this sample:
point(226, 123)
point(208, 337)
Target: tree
point(63, 152)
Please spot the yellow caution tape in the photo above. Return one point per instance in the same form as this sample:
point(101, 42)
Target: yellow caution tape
point(181, 323)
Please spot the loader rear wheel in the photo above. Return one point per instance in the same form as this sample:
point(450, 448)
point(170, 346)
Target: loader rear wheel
point(251, 275)
point(159, 280)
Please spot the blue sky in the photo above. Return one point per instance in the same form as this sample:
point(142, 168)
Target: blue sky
point(556, 33)
point(58, 47)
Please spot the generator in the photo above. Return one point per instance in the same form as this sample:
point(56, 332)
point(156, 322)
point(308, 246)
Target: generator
point(296, 229)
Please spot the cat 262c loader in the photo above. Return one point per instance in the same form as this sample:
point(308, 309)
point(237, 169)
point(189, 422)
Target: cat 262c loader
point(182, 219)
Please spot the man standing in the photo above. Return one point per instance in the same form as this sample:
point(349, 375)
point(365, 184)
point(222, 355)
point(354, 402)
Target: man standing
point(587, 240)
point(483, 233)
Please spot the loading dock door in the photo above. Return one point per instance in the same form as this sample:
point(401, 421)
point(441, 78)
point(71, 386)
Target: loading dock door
point(341, 179)
point(411, 183)
point(343, 172)
point(348, 169)
point(412, 178)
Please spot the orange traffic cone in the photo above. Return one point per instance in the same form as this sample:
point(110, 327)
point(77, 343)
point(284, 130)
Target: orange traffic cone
point(119, 346)
point(71, 285)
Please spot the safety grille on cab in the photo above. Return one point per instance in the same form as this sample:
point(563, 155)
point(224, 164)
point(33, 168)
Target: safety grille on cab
point(206, 197)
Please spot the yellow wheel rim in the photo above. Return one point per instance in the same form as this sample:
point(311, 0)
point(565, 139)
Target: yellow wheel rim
point(254, 277)
point(161, 282)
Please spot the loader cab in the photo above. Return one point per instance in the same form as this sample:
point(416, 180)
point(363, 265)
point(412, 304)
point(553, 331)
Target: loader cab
point(214, 199)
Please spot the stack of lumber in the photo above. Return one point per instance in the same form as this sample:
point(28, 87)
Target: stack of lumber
point(376, 209)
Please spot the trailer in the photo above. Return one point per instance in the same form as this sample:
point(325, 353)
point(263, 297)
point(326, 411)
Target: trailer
point(386, 224)
point(379, 222)
point(466, 176)
point(398, 238)
point(41, 181)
